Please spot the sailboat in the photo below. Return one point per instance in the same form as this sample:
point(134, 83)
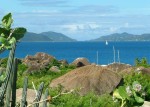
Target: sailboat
point(106, 42)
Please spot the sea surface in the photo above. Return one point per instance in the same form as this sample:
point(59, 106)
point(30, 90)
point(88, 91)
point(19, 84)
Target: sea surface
point(95, 52)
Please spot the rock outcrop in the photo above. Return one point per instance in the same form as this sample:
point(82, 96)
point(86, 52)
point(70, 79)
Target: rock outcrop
point(118, 67)
point(37, 62)
point(89, 78)
point(79, 62)
point(63, 62)
point(143, 70)
point(54, 69)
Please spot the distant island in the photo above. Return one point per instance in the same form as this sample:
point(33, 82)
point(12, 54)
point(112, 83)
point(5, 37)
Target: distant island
point(46, 37)
point(123, 37)
point(59, 37)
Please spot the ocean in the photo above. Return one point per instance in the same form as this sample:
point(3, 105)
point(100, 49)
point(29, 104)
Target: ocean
point(95, 52)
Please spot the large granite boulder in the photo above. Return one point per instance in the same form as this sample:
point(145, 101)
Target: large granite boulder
point(89, 78)
point(118, 67)
point(79, 62)
point(37, 62)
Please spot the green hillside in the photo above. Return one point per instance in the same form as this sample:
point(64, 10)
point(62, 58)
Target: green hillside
point(46, 37)
point(124, 37)
point(58, 37)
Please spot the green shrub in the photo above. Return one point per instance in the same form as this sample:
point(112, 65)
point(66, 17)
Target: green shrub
point(142, 62)
point(55, 63)
point(38, 77)
point(21, 68)
point(143, 79)
point(89, 100)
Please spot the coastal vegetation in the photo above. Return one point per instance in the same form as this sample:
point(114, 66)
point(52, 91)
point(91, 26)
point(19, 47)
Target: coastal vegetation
point(126, 98)
point(142, 62)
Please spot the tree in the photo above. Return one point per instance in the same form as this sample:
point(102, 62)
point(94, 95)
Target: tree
point(137, 62)
point(9, 35)
point(144, 61)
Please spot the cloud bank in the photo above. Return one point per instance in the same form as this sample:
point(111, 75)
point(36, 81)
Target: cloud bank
point(80, 22)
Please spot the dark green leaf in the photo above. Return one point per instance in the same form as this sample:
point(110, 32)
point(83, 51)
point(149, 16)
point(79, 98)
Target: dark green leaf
point(7, 21)
point(5, 32)
point(138, 99)
point(19, 33)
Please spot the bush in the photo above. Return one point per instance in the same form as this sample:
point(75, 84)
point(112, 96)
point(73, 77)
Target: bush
point(142, 62)
point(21, 68)
point(143, 79)
point(89, 100)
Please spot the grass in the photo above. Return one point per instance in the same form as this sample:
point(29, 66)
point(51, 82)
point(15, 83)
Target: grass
point(45, 76)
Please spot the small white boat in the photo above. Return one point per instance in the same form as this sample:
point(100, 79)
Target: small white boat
point(106, 42)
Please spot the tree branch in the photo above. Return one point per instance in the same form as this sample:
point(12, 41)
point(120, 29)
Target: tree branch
point(49, 98)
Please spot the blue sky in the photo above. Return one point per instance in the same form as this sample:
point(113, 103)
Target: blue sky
point(80, 19)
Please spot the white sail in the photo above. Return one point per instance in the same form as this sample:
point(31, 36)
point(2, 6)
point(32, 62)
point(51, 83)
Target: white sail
point(106, 42)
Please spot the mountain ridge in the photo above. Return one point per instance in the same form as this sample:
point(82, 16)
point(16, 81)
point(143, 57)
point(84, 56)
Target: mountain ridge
point(46, 37)
point(124, 37)
point(51, 36)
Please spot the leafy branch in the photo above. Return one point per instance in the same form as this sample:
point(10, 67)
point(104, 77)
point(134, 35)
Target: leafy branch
point(49, 98)
point(9, 35)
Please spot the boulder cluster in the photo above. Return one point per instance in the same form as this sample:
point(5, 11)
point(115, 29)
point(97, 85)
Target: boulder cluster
point(86, 77)
point(41, 60)
point(37, 62)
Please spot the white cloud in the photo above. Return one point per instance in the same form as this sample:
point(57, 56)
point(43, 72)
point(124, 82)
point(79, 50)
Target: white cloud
point(71, 28)
point(126, 24)
point(44, 3)
point(113, 29)
point(79, 22)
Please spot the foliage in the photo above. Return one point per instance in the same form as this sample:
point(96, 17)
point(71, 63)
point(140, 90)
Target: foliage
point(75, 100)
point(130, 95)
point(143, 79)
point(142, 62)
point(44, 75)
point(21, 68)
point(9, 35)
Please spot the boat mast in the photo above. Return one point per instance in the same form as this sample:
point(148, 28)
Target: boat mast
point(97, 57)
point(114, 54)
point(118, 57)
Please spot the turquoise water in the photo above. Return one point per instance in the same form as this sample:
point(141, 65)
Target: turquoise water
point(128, 51)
